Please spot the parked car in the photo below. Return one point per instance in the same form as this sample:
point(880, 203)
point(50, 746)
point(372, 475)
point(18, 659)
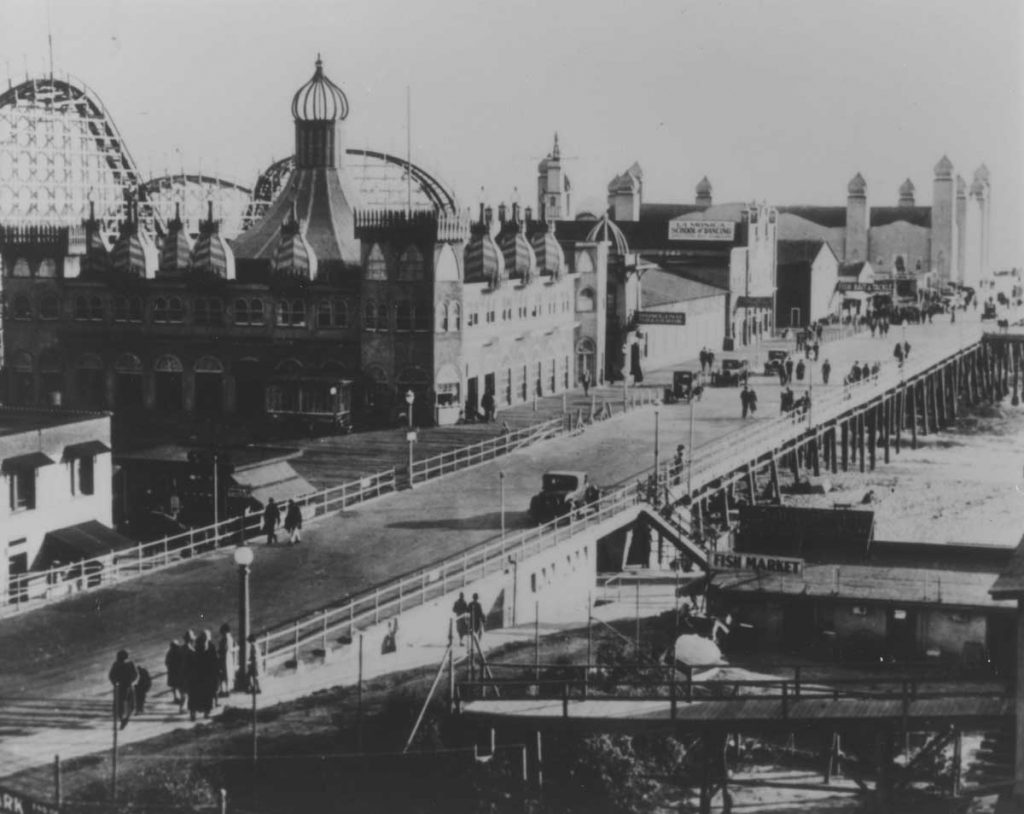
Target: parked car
point(732, 372)
point(773, 364)
point(561, 493)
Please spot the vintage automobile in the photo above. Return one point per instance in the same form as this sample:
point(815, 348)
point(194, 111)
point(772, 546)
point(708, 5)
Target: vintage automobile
point(686, 385)
point(732, 372)
point(562, 493)
point(773, 364)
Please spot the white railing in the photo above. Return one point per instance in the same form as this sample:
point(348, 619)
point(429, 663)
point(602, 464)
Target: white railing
point(38, 588)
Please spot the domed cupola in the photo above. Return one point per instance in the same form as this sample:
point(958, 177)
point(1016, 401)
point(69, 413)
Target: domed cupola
point(608, 230)
point(907, 193)
point(858, 187)
point(176, 251)
point(944, 169)
point(212, 255)
point(293, 256)
point(96, 261)
point(483, 260)
point(548, 251)
point(134, 254)
point(319, 107)
point(703, 192)
point(520, 262)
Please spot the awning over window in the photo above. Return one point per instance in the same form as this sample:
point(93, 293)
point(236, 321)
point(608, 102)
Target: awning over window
point(273, 480)
point(79, 542)
point(87, 449)
point(753, 302)
point(19, 463)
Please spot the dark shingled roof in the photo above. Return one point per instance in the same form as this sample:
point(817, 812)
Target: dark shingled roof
point(660, 287)
point(667, 211)
point(798, 251)
point(851, 269)
point(914, 215)
point(830, 216)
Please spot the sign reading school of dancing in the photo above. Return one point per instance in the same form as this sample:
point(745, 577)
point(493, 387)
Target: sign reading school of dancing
point(701, 230)
point(14, 802)
point(757, 562)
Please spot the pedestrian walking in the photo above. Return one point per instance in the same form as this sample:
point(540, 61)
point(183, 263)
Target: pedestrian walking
point(865, 371)
point(585, 381)
point(752, 399)
point(487, 402)
point(826, 370)
point(252, 672)
point(123, 675)
point(789, 369)
point(898, 353)
point(226, 658)
point(271, 520)
point(786, 401)
point(801, 369)
point(142, 688)
point(745, 401)
point(476, 617)
point(174, 662)
point(461, 612)
point(293, 523)
point(703, 356)
point(906, 350)
point(203, 676)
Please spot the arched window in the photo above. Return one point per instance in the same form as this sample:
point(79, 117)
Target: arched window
point(441, 318)
point(421, 316)
point(120, 309)
point(446, 267)
point(383, 323)
point(21, 268)
point(127, 363)
point(200, 312)
point(376, 265)
point(159, 310)
point(255, 312)
point(370, 316)
point(410, 264)
point(208, 312)
point(49, 306)
point(95, 309)
point(168, 364)
point(47, 268)
point(455, 317)
point(21, 308)
point(298, 312)
point(403, 316)
point(584, 264)
point(585, 300)
point(324, 317)
point(175, 310)
point(208, 364)
point(241, 312)
point(340, 313)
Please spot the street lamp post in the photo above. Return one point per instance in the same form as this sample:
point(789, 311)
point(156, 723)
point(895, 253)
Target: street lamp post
point(410, 397)
point(243, 559)
point(501, 488)
point(689, 450)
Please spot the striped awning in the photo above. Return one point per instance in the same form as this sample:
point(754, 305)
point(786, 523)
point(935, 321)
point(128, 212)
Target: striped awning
point(129, 256)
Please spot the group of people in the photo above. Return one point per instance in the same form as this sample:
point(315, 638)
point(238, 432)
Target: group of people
point(880, 324)
point(131, 685)
point(901, 352)
point(859, 372)
point(707, 360)
point(201, 670)
point(748, 400)
point(788, 403)
point(292, 522)
point(469, 617)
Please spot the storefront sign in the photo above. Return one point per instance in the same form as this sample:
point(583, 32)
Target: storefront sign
point(660, 318)
point(735, 561)
point(724, 230)
point(868, 288)
point(14, 802)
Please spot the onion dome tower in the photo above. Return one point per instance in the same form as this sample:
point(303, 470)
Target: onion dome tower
point(483, 261)
point(607, 230)
point(96, 262)
point(134, 254)
point(176, 251)
point(703, 192)
point(520, 262)
point(293, 257)
point(550, 257)
point(212, 255)
point(319, 189)
point(907, 193)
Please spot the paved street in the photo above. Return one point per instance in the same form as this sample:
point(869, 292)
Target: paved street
point(64, 651)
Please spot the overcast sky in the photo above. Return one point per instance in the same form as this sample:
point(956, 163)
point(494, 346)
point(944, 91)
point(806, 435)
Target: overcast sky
point(782, 100)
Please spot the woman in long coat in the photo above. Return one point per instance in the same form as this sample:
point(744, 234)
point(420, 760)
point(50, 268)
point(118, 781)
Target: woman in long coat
point(174, 661)
point(203, 676)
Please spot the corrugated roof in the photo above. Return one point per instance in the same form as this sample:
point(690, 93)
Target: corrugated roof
point(868, 583)
point(660, 287)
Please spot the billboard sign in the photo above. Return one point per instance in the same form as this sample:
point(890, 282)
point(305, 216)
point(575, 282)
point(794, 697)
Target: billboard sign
point(721, 230)
point(660, 318)
point(760, 563)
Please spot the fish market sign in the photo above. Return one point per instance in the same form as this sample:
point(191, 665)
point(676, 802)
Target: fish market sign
point(734, 561)
point(701, 230)
point(14, 802)
point(844, 285)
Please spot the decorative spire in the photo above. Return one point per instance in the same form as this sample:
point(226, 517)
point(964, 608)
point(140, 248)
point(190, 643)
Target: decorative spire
point(556, 153)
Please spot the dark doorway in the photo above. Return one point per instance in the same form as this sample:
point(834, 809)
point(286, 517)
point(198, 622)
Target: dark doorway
point(1001, 642)
point(901, 634)
point(489, 386)
point(168, 390)
point(472, 397)
point(209, 393)
point(17, 564)
point(128, 390)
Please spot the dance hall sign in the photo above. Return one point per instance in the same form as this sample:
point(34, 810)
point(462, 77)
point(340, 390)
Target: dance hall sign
point(14, 802)
point(760, 563)
point(723, 230)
